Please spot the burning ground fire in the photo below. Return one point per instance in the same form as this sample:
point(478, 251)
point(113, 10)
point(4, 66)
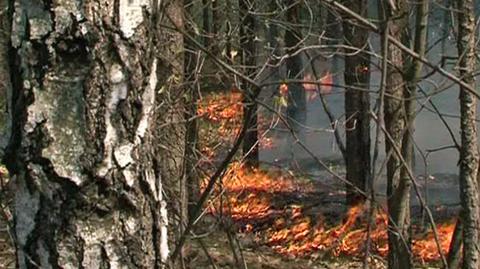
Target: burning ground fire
point(226, 111)
point(258, 203)
point(222, 107)
point(274, 206)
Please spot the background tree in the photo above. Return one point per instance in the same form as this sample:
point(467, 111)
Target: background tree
point(98, 181)
point(398, 187)
point(207, 25)
point(247, 44)
point(334, 36)
point(273, 44)
point(357, 103)
point(5, 83)
point(192, 92)
point(469, 149)
point(297, 107)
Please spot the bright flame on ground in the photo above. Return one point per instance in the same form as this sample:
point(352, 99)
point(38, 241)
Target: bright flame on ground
point(249, 193)
point(426, 248)
point(291, 231)
point(226, 110)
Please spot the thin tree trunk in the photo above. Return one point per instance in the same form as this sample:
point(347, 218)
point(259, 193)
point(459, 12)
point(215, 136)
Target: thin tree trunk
point(357, 104)
point(5, 83)
point(273, 45)
point(95, 176)
point(207, 27)
point(228, 30)
point(216, 25)
point(412, 77)
point(296, 108)
point(247, 43)
point(333, 35)
point(191, 136)
point(446, 24)
point(399, 238)
point(469, 151)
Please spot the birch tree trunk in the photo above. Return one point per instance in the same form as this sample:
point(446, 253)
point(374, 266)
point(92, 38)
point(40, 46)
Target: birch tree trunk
point(468, 151)
point(98, 136)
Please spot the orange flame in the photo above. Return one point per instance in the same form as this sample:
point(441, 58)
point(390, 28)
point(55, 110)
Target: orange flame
point(226, 111)
point(291, 231)
point(426, 248)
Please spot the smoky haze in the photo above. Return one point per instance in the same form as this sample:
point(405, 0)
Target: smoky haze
point(435, 160)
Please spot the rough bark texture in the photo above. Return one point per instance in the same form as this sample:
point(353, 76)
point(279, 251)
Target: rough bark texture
point(97, 139)
point(5, 84)
point(357, 104)
point(469, 151)
point(247, 43)
point(398, 187)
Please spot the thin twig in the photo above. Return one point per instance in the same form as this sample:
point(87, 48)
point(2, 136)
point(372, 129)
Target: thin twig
point(399, 44)
point(209, 257)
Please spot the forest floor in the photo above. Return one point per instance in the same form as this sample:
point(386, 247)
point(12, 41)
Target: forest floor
point(262, 257)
